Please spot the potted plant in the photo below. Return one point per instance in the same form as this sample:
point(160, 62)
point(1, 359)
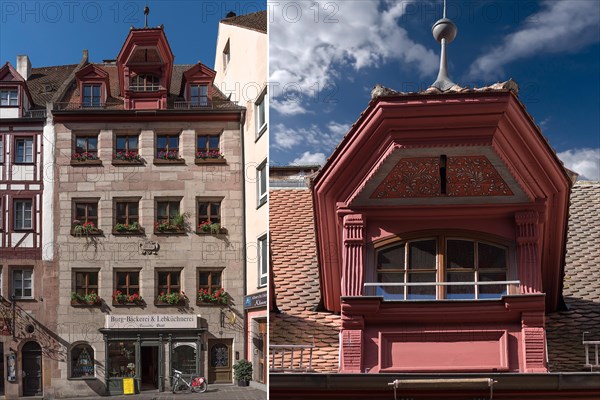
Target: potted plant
point(127, 157)
point(85, 158)
point(84, 229)
point(242, 372)
point(127, 229)
point(218, 296)
point(173, 298)
point(210, 156)
point(119, 298)
point(211, 227)
point(175, 224)
point(89, 299)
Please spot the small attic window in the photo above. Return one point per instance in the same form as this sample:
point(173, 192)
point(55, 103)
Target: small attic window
point(47, 87)
point(9, 97)
point(199, 95)
point(91, 95)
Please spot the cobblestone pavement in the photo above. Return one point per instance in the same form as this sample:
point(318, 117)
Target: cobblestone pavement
point(214, 392)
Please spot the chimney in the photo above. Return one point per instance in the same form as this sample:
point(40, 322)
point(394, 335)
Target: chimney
point(24, 66)
point(230, 14)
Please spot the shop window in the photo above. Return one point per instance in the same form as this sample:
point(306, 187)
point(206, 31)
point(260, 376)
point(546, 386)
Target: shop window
point(144, 83)
point(23, 150)
point(263, 261)
point(92, 95)
point(167, 147)
point(82, 361)
point(261, 183)
point(22, 283)
point(9, 98)
point(209, 280)
point(121, 359)
point(184, 358)
point(199, 95)
point(23, 215)
point(442, 268)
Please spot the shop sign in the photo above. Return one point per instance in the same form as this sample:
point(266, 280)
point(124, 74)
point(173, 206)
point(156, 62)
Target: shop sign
point(255, 300)
point(128, 386)
point(151, 321)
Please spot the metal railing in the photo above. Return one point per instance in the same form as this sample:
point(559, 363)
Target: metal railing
point(34, 114)
point(291, 358)
point(78, 106)
point(379, 289)
point(191, 105)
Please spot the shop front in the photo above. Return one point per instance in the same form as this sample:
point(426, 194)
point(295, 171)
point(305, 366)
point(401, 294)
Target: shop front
point(255, 306)
point(146, 348)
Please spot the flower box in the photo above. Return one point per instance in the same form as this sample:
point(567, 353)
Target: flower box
point(128, 304)
point(219, 297)
point(210, 161)
point(86, 163)
point(174, 299)
point(89, 300)
point(120, 299)
point(221, 231)
point(118, 162)
point(163, 161)
point(128, 230)
point(85, 229)
point(208, 228)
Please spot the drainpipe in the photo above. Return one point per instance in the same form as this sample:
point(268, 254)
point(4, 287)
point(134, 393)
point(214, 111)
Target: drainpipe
point(244, 242)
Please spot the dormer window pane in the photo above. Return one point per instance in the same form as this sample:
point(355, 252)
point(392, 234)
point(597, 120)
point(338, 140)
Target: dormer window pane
point(8, 97)
point(199, 95)
point(91, 96)
point(144, 83)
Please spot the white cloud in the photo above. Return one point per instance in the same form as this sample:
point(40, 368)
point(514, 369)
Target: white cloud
point(560, 26)
point(338, 129)
point(287, 107)
point(324, 139)
point(586, 162)
point(308, 158)
point(310, 40)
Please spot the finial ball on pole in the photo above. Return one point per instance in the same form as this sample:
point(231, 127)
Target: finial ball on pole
point(444, 29)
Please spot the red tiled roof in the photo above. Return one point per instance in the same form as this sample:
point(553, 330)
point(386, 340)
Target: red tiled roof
point(565, 330)
point(296, 278)
point(256, 21)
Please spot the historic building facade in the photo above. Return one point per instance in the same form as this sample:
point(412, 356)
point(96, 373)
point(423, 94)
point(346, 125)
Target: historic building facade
point(241, 66)
point(28, 348)
point(150, 202)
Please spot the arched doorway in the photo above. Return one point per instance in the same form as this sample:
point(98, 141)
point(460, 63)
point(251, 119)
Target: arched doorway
point(32, 369)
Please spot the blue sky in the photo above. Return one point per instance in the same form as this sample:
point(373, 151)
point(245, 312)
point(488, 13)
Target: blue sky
point(335, 52)
point(55, 32)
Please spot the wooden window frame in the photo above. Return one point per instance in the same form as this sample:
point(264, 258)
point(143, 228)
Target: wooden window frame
point(201, 100)
point(126, 289)
point(33, 146)
point(167, 149)
point(442, 238)
point(14, 214)
point(127, 146)
point(168, 288)
point(169, 203)
point(149, 85)
point(87, 137)
point(128, 203)
point(87, 287)
point(9, 98)
point(208, 217)
point(94, 101)
point(87, 203)
point(210, 287)
point(13, 286)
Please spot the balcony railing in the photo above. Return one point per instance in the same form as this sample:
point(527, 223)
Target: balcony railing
point(35, 114)
point(291, 358)
point(487, 290)
point(591, 362)
point(192, 105)
point(78, 106)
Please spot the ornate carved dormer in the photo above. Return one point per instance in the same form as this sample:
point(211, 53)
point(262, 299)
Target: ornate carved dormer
point(145, 65)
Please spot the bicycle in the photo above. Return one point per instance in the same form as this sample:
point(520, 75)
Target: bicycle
point(195, 385)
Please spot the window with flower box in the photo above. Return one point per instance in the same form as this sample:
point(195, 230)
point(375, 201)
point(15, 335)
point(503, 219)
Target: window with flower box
point(168, 217)
point(210, 287)
point(209, 216)
point(127, 288)
point(86, 288)
point(167, 148)
point(169, 288)
point(208, 149)
point(127, 149)
point(85, 217)
point(23, 150)
point(86, 149)
point(443, 268)
point(127, 217)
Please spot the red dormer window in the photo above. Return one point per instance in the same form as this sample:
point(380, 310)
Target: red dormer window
point(144, 83)
point(93, 84)
point(9, 97)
